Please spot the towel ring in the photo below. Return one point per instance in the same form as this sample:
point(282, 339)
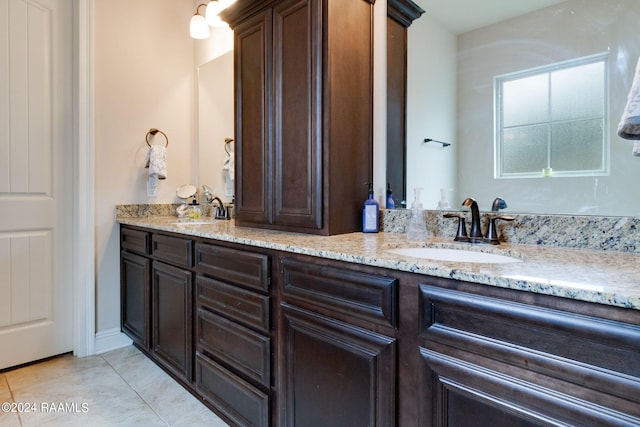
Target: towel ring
point(227, 141)
point(154, 131)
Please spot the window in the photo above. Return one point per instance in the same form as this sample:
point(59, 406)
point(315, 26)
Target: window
point(553, 120)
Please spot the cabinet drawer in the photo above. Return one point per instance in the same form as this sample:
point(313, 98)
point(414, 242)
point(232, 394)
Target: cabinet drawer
point(451, 316)
point(233, 266)
point(242, 349)
point(174, 250)
point(238, 400)
point(582, 360)
point(134, 240)
point(248, 308)
point(366, 296)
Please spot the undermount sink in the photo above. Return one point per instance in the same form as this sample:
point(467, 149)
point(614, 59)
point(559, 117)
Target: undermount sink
point(195, 222)
point(455, 255)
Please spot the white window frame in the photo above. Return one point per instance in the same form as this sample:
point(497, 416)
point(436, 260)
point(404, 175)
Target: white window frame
point(548, 69)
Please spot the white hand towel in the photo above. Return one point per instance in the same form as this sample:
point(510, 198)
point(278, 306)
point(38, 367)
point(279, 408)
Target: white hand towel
point(157, 161)
point(629, 127)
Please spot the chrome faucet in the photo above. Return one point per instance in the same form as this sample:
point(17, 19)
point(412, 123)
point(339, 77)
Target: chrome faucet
point(475, 236)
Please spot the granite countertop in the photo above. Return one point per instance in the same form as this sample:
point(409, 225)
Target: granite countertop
point(605, 277)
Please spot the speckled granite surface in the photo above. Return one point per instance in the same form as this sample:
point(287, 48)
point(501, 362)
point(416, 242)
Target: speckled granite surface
point(569, 231)
point(606, 277)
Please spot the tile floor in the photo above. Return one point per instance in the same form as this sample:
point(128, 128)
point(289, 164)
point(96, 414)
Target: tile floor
point(119, 388)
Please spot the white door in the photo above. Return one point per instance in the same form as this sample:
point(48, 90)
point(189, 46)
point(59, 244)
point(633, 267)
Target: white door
point(36, 71)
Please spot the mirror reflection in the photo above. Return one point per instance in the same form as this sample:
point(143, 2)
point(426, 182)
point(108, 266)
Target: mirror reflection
point(529, 116)
point(215, 126)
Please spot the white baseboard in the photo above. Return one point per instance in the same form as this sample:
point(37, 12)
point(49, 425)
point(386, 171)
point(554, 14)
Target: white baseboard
point(111, 339)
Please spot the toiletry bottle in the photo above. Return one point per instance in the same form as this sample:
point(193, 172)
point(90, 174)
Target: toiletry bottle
point(416, 229)
point(443, 203)
point(370, 213)
point(390, 203)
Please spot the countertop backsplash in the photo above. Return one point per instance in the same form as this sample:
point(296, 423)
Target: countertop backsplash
point(570, 231)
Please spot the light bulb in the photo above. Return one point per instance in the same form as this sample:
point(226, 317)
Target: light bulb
point(213, 8)
point(198, 27)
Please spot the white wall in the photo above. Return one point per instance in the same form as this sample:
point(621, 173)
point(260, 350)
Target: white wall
point(431, 110)
point(144, 78)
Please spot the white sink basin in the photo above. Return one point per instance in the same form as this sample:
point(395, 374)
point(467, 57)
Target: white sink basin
point(195, 222)
point(455, 255)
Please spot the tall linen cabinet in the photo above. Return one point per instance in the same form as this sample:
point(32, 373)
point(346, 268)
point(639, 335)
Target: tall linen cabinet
point(304, 108)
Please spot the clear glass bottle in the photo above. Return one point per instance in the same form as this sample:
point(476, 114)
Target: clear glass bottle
point(417, 228)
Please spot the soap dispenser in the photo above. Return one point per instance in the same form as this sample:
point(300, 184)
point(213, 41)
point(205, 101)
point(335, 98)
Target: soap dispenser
point(416, 229)
point(370, 213)
point(390, 204)
point(443, 203)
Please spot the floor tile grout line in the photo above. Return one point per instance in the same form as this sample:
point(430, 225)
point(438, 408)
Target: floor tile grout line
point(136, 391)
point(12, 397)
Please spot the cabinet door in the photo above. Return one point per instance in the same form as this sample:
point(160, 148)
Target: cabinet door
point(171, 313)
point(135, 276)
point(253, 119)
point(297, 46)
point(336, 374)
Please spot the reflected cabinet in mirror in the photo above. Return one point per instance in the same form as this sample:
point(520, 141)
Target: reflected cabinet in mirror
point(529, 94)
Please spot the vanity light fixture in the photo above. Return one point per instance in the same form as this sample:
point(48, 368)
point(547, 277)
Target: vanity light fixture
point(213, 8)
point(198, 28)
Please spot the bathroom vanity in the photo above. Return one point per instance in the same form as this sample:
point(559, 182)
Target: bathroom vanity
point(284, 329)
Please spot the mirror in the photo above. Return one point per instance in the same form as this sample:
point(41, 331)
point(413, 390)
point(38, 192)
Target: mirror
point(216, 125)
point(452, 62)
point(186, 192)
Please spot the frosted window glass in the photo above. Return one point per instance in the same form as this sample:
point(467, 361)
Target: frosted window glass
point(577, 92)
point(581, 147)
point(554, 117)
point(526, 100)
point(524, 149)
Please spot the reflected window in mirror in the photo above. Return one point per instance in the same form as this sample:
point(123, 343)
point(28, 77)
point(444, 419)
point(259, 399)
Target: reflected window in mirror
point(551, 121)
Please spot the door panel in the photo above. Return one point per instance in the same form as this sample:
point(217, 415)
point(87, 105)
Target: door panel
point(297, 113)
point(35, 180)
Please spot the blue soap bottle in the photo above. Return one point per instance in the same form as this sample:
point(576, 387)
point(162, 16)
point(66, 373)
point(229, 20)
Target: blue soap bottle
point(390, 203)
point(370, 213)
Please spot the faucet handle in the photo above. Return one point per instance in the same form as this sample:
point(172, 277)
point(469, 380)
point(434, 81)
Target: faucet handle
point(498, 203)
point(492, 232)
point(461, 234)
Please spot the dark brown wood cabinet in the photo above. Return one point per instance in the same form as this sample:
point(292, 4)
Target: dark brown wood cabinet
point(495, 361)
point(172, 304)
point(172, 334)
point(335, 371)
point(321, 342)
point(304, 102)
point(234, 351)
point(156, 297)
point(135, 286)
